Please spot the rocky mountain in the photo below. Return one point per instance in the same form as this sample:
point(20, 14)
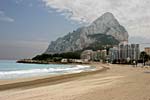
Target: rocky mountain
point(104, 29)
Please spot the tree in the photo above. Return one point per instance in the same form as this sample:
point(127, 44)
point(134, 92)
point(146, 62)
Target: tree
point(144, 57)
point(58, 57)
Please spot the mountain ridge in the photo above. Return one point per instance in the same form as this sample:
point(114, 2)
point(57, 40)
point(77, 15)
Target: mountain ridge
point(106, 24)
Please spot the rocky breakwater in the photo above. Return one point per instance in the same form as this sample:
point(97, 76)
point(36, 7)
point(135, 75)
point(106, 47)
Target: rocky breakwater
point(30, 61)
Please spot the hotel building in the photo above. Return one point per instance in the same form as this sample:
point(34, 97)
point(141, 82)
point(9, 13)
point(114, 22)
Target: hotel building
point(124, 51)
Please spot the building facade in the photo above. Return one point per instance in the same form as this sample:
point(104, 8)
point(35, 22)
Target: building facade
point(94, 55)
point(114, 53)
point(147, 50)
point(87, 54)
point(124, 52)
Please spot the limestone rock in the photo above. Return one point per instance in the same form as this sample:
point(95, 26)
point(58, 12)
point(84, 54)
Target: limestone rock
point(107, 24)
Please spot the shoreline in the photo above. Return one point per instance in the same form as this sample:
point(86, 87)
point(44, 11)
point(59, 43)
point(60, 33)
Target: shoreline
point(129, 82)
point(51, 79)
point(73, 61)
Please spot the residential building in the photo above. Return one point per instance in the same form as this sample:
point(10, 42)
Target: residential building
point(147, 50)
point(114, 53)
point(94, 55)
point(124, 51)
point(87, 54)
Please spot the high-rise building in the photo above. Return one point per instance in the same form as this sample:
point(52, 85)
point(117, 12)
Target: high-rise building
point(131, 51)
point(124, 52)
point(114, 53)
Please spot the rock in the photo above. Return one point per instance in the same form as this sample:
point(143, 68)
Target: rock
point(79, 39)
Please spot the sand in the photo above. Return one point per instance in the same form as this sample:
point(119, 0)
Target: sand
point(120, 82)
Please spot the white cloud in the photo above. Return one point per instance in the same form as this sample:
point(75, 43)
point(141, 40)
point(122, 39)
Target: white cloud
point(133, 14)
point(5, 18)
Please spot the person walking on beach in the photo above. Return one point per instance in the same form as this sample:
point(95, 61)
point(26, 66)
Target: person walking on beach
point(134, 63)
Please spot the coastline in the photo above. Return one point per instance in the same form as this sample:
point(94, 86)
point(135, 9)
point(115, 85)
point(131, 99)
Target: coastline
point(71, 61)
point(51, 79)
point(120, 82)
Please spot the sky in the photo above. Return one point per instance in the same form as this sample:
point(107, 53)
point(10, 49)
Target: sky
point(28, 26)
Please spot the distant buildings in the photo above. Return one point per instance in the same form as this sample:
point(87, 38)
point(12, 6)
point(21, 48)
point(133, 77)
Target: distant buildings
point(99, 55)
point(91, 55)
point(147, 50)
point(87, 54)
point(114, 53)
point(124, 52)
point(79, 61)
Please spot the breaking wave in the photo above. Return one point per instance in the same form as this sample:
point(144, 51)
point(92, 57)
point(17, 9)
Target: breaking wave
point(42, 71)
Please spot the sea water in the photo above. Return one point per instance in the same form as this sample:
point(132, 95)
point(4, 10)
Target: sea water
point(9, 69)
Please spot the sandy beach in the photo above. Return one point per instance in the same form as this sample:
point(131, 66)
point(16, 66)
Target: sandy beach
point(119, 82)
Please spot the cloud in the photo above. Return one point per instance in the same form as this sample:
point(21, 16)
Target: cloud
point(18, 1)
point(5, 18)
point(133, 14)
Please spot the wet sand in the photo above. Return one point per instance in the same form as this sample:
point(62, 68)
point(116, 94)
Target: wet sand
point(120, 82)
point(49, 79)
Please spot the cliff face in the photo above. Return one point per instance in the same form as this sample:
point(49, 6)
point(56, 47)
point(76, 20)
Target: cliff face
point(106, 25)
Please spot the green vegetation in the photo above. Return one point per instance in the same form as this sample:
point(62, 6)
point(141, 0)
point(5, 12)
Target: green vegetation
point(144, 57)
point(102, 42)
point(58, 57)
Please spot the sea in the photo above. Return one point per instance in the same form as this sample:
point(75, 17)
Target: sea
point(9, 69)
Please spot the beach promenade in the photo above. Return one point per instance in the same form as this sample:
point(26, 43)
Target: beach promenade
point(120, 82)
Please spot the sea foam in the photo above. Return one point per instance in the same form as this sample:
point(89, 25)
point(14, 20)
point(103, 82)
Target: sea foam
point(42, 71)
